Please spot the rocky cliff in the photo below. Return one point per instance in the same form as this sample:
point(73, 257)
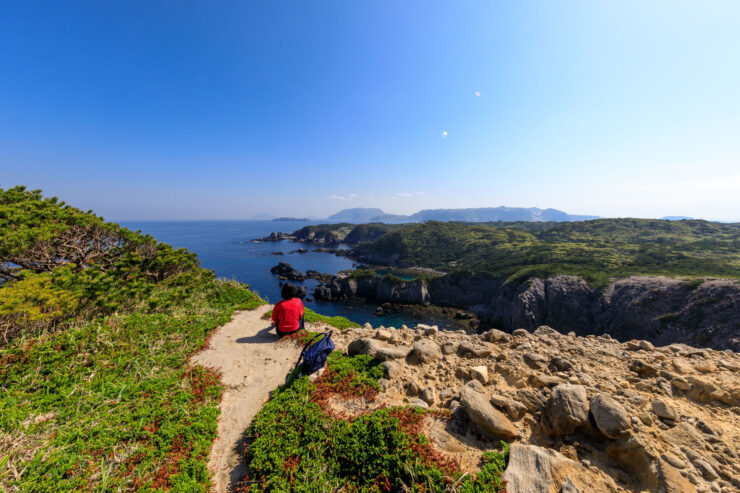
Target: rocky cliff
point(582, 414)
point(661, 310)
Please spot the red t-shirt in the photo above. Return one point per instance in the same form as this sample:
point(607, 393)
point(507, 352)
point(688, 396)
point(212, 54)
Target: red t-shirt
point(287, 314)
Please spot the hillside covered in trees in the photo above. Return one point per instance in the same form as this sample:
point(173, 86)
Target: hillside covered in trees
point(595, 250)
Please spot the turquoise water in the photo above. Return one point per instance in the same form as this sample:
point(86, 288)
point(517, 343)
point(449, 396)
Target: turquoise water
point(405, 277)
point(225, 247)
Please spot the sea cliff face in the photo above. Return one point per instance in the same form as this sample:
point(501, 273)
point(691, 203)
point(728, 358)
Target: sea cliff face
point(661, 310)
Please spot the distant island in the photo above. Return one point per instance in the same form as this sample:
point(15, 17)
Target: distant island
point(480, 214)
point(294, 219)
point(677, 218)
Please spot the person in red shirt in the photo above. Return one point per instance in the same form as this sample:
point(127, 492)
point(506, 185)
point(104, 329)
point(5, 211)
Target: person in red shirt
point(287, 316)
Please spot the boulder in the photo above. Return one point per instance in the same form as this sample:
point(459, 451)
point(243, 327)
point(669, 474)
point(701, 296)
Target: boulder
point(418, 403)
point(376, 349)
point(479, 373)
point(609, 415)
point(429, 395)
point(495, 335)
point(514, 409)
point(663, 410)
point(672, 480)
point(680, 383)
point(483, 414)
point(383, 334)
point(426, 350)
point(646, 345)
point(535, 361)
point(469, 350)
point(643, 369)
point(534, 469)
point(566, 409)
point(392, 369)
point(561, 364)
point(449, 348)
point(705, 366)
point(545, 330)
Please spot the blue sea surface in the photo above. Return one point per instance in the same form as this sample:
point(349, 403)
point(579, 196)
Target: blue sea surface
point(226, 247)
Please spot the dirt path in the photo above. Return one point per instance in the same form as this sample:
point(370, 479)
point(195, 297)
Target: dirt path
point(252, 364)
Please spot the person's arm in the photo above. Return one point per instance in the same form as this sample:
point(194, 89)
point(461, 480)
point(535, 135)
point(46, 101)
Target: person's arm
point(301, 319)
point(275, 315)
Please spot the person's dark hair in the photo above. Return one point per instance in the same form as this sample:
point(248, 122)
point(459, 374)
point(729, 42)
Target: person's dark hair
point(288, 292)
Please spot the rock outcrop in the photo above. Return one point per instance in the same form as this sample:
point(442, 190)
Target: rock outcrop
point(656, 309)
point(581, 413)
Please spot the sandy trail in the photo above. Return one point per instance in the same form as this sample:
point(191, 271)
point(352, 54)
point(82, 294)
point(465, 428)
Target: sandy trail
point(252, 364)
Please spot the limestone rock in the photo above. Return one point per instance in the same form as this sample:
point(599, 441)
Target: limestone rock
point(429, 395)
point(566, 409)
point(539, 380)
point(673, 481)
point(469, 350)
point(646, 345)
point(418, 403)
point(681, 367)
point(610, 417)
point(514, 409)
point(705, 366)
point(426, 350)
point(447, 393)
point(663, 410)
point(706, 469)
point(680, 383)
point(534, 469)
point(642, 368)
point(382, 334)
point(449, 348)
point(568, 487)
point(673, 460)
point(479, 373)
point(535, 361)
point(545, 330)
point(375, 349)
point(484, 415)
point(495, 335)
point(561, 364)
point(392, 369)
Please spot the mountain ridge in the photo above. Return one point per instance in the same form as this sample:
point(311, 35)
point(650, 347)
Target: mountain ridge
point(474, 214)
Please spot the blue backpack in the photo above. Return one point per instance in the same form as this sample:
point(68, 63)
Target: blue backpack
point(314, 354)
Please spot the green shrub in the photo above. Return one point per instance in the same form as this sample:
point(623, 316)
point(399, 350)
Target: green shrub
point(293, 445)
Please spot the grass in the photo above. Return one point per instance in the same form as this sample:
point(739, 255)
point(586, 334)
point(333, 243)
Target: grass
point(311, 316)
point(112, 404)
point(293, 444)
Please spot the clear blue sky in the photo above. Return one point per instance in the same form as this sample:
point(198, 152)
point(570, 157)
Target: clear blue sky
point(194, 109)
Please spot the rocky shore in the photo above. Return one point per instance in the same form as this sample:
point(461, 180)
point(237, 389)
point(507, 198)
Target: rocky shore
point(583, 414)
point(660, 309)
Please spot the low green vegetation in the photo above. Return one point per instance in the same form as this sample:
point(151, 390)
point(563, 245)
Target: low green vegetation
point(337, 322)
point(595, 250)
point(98, 324)
point(310, 316)
point(296, 444)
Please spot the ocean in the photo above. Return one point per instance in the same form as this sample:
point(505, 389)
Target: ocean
point(225, 247)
